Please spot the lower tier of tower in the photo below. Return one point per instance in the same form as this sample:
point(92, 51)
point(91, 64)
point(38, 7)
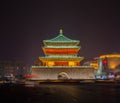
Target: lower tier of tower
point(61, 61)
point(62, 72)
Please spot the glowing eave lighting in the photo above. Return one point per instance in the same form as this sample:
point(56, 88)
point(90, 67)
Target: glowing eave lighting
point(110, 56)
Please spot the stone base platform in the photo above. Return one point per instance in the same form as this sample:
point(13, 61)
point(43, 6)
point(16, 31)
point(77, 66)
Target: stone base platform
point(62, 72)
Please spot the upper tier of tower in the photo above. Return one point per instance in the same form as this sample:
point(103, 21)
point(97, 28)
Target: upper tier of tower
point(61, 40)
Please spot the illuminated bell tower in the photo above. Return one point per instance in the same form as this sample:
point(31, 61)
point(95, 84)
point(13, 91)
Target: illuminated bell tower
point(61, 51)
point(61, 60)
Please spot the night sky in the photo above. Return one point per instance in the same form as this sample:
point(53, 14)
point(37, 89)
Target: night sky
point(24, 25)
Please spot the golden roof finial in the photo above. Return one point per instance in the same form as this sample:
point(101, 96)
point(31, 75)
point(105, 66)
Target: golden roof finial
point(61, 32)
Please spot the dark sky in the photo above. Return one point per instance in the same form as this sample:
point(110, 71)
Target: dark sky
point(23, 26)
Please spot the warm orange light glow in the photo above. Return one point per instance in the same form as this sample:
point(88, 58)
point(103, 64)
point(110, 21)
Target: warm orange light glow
point(61, 51)
point(61, 63)
point(112, 66)
point(110, 56)
point(71, 63)
point(94, 65)
point(50, 63)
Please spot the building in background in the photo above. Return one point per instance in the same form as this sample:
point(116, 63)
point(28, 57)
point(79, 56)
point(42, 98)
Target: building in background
point(93, 63)
point(61, 60)
point(109, 65)
point(15, 68)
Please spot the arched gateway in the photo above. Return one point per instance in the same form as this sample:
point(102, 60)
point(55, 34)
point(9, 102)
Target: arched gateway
point(63, 75)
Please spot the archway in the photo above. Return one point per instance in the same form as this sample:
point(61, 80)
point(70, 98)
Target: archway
point(63, 75)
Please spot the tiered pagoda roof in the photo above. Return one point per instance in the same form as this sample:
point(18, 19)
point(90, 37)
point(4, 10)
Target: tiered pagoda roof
point(60, 51)
point(61, 39)
point(61, 45)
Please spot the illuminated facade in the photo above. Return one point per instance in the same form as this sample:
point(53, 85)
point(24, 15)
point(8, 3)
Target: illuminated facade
point(61, 51)
point(93, 63)
point(61, 60)
point(109, 64)
point(113, 60)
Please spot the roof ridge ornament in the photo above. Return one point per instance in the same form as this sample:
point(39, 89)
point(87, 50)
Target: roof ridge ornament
point(61, 32)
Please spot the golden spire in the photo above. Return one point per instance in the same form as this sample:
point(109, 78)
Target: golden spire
point(61, 32)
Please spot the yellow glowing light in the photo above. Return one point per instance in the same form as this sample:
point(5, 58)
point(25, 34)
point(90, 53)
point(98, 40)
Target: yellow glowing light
point(94, 65)
point(50, 63)
point(71, 63)
point(61, 31)
point(110, 56)
point(112, 66)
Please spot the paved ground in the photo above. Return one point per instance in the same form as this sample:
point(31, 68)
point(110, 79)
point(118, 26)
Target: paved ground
point(60, 93)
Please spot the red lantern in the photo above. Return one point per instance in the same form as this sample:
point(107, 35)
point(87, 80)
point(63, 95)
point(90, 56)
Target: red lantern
point(105, 62)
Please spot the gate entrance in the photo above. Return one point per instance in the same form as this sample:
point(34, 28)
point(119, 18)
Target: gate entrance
point(63, 75)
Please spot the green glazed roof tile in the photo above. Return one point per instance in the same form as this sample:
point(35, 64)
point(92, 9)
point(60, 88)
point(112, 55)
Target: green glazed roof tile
point(61, 38)
point(61, 46)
